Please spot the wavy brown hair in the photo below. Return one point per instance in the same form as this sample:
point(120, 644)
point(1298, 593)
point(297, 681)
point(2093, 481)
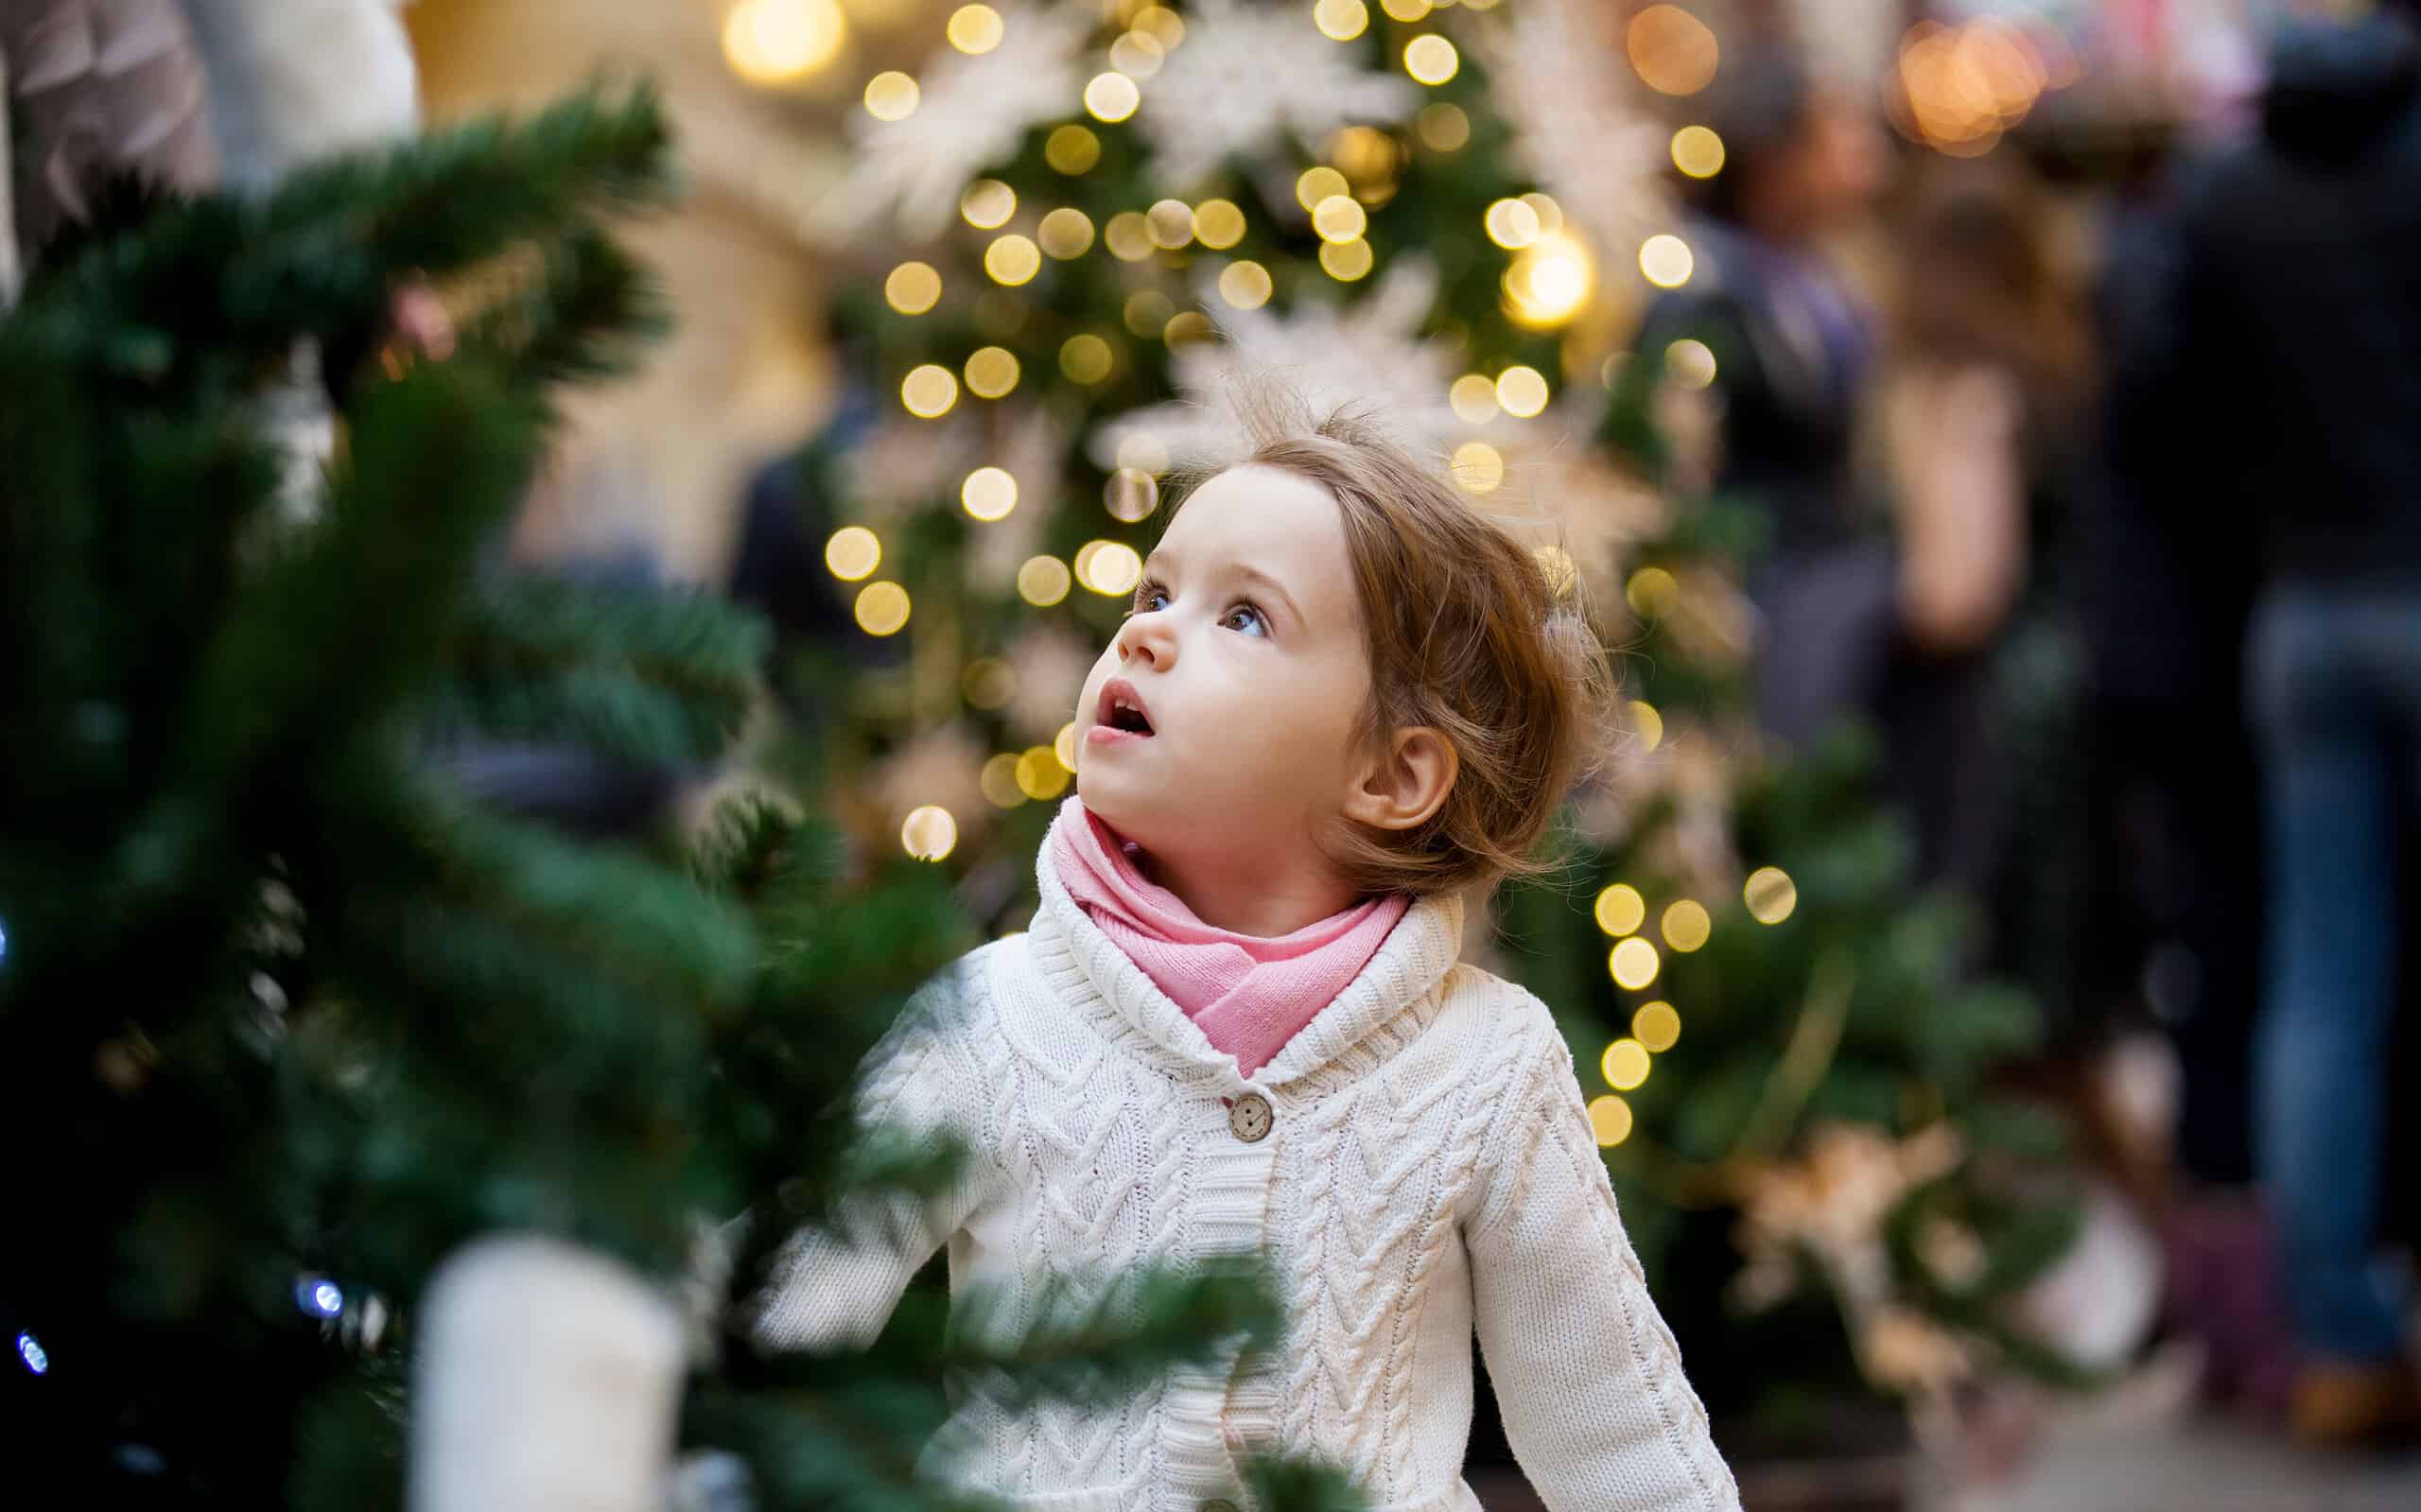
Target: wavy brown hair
point(1466, 633)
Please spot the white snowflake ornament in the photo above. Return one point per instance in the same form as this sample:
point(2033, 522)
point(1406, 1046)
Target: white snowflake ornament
point(1249, 75)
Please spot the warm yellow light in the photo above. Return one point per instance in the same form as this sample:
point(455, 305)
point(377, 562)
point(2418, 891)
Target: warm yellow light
point(1430, 58)
point(1549, 213)
point(1339, 217)
point(1318, 183)
point(1442, 127)
point(930, 833)
point(1633, 962)
point(1650, 592)
point(1341, 20)
point(1650, 724)
point(1041, 774)
point(1244, 284)
point(882, 608)
point(1044, 580)
point(1609, 1117)
point(1561, 571)
point(999, 782)
point(1405, 11)
point(1698, 152)
point(989, 494)
point(1170, 222)
point(1511, 224)
point(1686, 924)
point(1691, 363)
point(1672, 50)
point(987, 204)
point(1112, 96)
point(1112, 568)
point(988, 682)
point(1625, 1064)
point(1012, 259)
point(1478, 467)
point(1131, 495)
point(1085, 358)
point(776, 41)
point(1770, 895)
point(1657, 1026)
point(1523, 391)
point(1146, 311)
point(975, 28)
point(1129, 236)
point(1621, 910)
point(1071, 149)
point(1667, 261)
point(1189, 325)
point(991, 371)
point(1065, 233)
point(1162, 25)
point(853, 552)
point(891, 96)
point(913, 288)
point(1472, 398)
point(929, 391)
point(1137, 55)
point(1064, 747)
point(1144, 452)
point(1345, 261)
point(1549, 280)
point(1218, 224)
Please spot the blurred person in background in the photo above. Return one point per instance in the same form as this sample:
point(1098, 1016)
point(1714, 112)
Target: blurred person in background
point(2286, 395)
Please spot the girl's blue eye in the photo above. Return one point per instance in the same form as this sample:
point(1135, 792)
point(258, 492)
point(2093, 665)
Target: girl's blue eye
point(1147, 595)
point(1252, 611)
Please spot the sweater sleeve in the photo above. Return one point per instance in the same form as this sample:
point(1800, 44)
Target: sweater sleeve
point(1594, 1403)
point(837, 1286)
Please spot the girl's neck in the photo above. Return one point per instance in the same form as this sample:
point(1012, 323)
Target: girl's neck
point(1266, 902)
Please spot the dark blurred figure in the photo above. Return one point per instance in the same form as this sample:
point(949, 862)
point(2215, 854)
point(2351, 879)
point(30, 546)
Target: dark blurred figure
point(2289, 393)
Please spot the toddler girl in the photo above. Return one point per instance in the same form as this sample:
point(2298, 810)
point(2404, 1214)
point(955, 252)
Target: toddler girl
point(1343, 699)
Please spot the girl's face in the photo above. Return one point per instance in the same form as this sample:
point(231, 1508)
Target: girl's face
point(1244, 651)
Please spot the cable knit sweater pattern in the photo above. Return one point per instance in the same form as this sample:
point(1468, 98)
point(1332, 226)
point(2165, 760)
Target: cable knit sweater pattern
point(1416, 1163)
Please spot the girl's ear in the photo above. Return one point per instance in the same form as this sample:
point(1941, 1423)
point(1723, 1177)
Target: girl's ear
point(1400, 789)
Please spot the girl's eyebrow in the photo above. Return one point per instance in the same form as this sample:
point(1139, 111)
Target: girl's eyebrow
point(1159, 562)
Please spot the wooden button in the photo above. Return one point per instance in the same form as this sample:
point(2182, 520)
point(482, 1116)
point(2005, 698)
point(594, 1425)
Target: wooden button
point(1249, 1120)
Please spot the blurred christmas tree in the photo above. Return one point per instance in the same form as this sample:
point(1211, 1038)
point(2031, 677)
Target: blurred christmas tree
point(295, 1015)
point(1076, 221)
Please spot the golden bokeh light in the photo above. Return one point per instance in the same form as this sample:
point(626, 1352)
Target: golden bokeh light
point(929, 391)
point(1341, 20)
point(1085, 358)
point(1012, 259)
point(1318, 183)
point(1770, 895)
point(1667, 261)
point(1110, 568)
point(1691, 362)
point(1442, 127)
point(1128, 235)
point(928, 833)
point(1625, 1064)
point(1345, 261)
point(1656, 1026)
point(1066, 232)
point(1111, 96)
point(1650, 724)
point(1041, 776)
point(1187, 325)
point(987, 204)
point(1511, 224)
point(1131, 495)
point(1161, 25)
point(891, 96)
point(1633, 962)
point(1146, 311)
point(975, 28)
point(1071, 149)
point(1244, 284)
point(1698, 152)
point(991, 371)
point(1339, 217)
point(1672, 51)
point(1478, 467)
point(1406, 11)
point(1960, 87)
point(1557, 566)
point(989, 494)
point(1064, 746)
point(988, 682)
point(1621, 910)
point(1549, 213)
point(999, 782)
point(1609, 1117)
point(1550, 281)
point(1218, 224)
point(1137, 55)
point(1650, 592)
point(882, 608)
point(1044, 580)
point(778, 42)
point(1472, 398)
point(853, 553)
point(1430, 58)
point(913, 288)
point(1170, 222)
point(1686, 924)
point(1523, 391)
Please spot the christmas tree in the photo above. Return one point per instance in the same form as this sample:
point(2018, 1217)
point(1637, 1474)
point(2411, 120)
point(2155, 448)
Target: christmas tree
point(1079, 225)
point(358, 1119)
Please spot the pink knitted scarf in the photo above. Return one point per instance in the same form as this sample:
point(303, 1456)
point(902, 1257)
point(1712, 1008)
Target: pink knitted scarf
point(1248, 993)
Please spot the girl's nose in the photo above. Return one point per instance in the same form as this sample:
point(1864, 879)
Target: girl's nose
point(1148, 636)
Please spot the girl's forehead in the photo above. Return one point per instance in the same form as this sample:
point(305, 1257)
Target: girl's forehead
point(1257, 506)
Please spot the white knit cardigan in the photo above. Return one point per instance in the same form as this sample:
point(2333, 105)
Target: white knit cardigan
point(1415, 1163)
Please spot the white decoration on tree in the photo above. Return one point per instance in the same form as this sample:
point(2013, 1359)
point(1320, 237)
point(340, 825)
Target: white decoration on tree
point(1579, 124)
point(547, 1377)
point(973, 110)
point(1245, 76)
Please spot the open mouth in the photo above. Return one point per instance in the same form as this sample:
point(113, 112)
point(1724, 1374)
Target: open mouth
point(1122, 708)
